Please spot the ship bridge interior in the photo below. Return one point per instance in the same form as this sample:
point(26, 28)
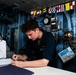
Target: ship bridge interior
point(56, 16)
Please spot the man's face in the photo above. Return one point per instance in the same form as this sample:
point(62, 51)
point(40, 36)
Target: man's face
point(32, 34)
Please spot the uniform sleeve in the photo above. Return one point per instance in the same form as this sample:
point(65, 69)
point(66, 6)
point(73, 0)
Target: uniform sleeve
point(50, 47)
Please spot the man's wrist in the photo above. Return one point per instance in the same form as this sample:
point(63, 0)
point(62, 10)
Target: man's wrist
point(22, 58)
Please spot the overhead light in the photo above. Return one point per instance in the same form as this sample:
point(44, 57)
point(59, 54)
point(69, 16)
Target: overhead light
point(17, 4)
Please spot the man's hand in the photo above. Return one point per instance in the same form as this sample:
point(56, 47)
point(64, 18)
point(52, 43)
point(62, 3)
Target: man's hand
point(16, 57)
point(17, 63)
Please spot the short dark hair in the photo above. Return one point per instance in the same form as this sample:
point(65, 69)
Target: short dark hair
point(29, 25)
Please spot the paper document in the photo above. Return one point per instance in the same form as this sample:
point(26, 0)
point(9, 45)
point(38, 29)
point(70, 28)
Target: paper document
point(2, 49)
point(4, 62)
